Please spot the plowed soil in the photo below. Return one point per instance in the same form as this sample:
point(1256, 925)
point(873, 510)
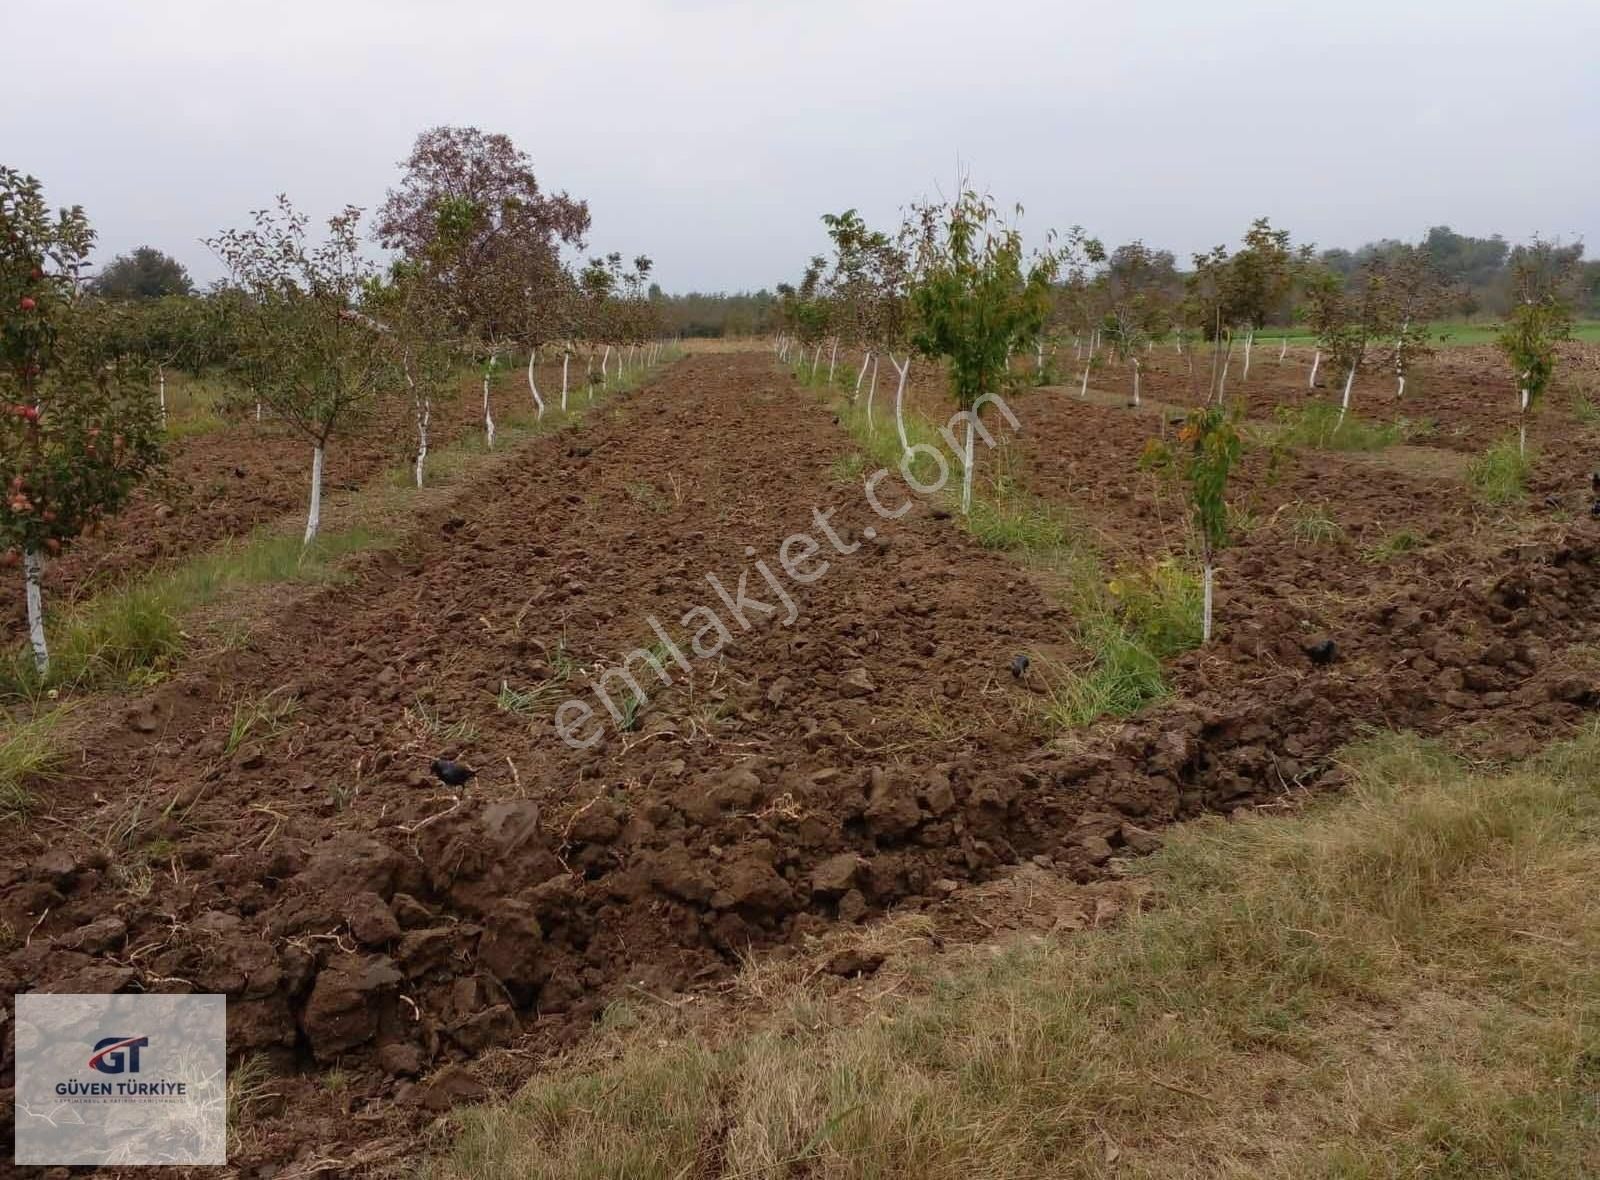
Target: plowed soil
point(874, 753)
point(226, 482)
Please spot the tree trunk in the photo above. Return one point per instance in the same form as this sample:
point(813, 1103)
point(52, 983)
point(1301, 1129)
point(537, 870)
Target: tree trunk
point(314, 517)
point(32, 571)
point(1135, 380)
point(899, 401)
point(1283, 348)
point(538, 402)
point(966, 468)
point(866, 358)
point(604, 378)
point(833, 356)
point(488, 418)
point(1038, 358)
point(816, 356)
point(1205, 615)
point(161, 387)
point(566, 356)
point(872, 389)
point(1344, 403)
point(424, 416)
point(1249, 341)
point(1316, 363)
point(1083, 389)
point(1522, 425)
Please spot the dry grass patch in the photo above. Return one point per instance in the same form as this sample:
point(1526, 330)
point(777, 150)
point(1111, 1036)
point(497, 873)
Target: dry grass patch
point(1401, 981)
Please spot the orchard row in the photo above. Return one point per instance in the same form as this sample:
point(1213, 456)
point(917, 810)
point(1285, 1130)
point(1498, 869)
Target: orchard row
point(306, 326)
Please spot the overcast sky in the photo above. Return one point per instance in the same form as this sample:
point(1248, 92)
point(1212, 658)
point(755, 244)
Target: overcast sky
point(711, 134)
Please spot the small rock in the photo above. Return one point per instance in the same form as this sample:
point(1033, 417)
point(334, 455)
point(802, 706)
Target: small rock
point(1140, 841)
point(452, 1085)
point(854, 962)
point(401, 1058)
point(856, 683)
point(834, 876)
point(371, 920)
point(1096, 849)
point(99, 935)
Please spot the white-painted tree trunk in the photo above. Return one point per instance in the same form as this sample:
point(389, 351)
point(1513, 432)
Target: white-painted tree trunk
point(161, 388)
point(566, 356)
point(833, 357)
point(1208, 579)
point(1316, 363)
point(1249, 342)
point(1283, 348)
point(866, 359)
point(314, 516)
point(872, 389)
point(899, 401)
point(32, 572)
point(966, 469)
point(816, 356)
point(422, 407)
point(1344, 402)
point(1038, 358)
point(1222, 379)
point(488, 418)
point(538, 402)
point(1522, 425)
point(424, 417)
point(1135, 380)
point(1083, 388)
point(258, 409)
point(604, 378)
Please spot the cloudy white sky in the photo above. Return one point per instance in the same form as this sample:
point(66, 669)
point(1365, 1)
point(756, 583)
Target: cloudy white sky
point(712, 133)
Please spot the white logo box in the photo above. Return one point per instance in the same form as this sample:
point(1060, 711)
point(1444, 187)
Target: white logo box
point(123, 1079)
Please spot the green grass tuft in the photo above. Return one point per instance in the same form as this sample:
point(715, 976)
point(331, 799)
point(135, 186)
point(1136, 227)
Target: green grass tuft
point(29, 751)
point(1316, 426)
point(1499, 476)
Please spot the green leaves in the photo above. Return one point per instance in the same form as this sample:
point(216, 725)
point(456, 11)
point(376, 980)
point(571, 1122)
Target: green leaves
point(975, 297)
point(1213, 449)
point(78, 424)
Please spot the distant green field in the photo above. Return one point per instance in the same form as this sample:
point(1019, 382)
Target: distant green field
point(1451, 331)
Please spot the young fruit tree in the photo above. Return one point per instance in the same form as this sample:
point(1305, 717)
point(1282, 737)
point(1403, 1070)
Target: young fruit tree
point(409, 313)
point(78, 427)
point(1137, 286)
point(1214, 448)
point(1538, 318)
point(306, 346)
point(973, 297)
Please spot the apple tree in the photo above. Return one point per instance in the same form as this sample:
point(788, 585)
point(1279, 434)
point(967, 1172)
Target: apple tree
point(305, 345)
point(78, 428)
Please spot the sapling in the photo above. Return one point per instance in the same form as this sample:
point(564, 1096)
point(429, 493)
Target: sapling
point(299, 349)
point(1214, 448)
point(974, 294)
point(78, 428)
point(1541, 316)
point(415, 324)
